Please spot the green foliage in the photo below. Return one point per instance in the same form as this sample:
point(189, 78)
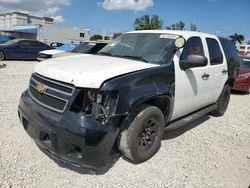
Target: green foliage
point(115, 35)
point(178, 26)
point(98, 37)
point(148, 23)
point(237, 38)
point(193, 27)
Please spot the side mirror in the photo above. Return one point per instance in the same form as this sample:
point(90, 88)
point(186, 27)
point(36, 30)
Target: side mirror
point(193, 61)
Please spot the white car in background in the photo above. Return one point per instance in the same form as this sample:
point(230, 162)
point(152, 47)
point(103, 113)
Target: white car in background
point(91, 47)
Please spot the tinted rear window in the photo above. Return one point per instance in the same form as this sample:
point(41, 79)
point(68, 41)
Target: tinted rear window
point(230, 51)
point(215, 53)
point(232, 57)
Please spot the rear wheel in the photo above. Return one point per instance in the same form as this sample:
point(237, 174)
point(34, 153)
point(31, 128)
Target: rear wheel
point(222, 102)
point(2, 56)
point(142, 139)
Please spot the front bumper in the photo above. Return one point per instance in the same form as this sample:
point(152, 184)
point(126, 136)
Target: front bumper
point(68, 136)
point(241, 85)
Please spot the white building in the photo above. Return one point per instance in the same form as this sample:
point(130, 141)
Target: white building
point(243, 49)
point(21, 25)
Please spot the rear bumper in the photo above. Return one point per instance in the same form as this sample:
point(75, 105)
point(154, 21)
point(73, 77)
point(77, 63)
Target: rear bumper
point(241, 85)
point(69, 136)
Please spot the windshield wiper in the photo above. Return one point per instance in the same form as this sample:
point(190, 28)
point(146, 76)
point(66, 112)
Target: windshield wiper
point(132, 57)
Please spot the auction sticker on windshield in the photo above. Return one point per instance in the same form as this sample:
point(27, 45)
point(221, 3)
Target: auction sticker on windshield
point(168, 36)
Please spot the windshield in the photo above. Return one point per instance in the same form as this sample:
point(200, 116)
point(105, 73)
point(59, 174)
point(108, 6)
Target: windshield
point(245, 64)
point(84, 47)
point(154, 48)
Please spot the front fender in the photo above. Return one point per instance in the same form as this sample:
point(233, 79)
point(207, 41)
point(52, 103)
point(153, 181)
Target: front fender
point(140, 86)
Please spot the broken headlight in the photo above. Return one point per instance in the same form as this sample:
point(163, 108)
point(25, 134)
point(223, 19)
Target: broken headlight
point(99, 105)
point(104, 106)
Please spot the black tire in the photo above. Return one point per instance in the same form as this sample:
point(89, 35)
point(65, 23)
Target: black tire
point(222, 102)
point(2, 55)
point(142, 137)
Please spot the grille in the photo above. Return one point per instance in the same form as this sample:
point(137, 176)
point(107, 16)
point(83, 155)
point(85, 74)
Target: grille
point(49, 93)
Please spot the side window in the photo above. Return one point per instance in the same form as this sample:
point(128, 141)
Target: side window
point(193, 46)
point(229, 50)
point(24, 44)
point(215, 53)
point(232, 57)
point(42, 44)
point(34, 44)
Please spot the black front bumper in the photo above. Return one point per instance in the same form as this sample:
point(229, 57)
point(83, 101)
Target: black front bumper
point(68, 136)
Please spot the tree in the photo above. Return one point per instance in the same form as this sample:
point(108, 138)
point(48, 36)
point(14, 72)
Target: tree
point(178, 26)
point(147, 23)
point(99, 37)
point(115, 35)
point(237, 38)
point(193, 27)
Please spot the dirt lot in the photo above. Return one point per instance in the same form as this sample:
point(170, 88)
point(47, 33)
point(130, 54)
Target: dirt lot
point(211, 152)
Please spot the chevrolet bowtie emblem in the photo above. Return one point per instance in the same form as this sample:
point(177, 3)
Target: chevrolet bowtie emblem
point(40, 88)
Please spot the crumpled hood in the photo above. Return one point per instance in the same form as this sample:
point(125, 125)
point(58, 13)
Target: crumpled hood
point(88, 70)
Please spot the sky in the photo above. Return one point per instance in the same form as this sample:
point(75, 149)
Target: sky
point(221, 17)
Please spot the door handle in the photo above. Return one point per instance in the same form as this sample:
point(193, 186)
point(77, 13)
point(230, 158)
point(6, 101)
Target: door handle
point(205, 76)
point(224, 71)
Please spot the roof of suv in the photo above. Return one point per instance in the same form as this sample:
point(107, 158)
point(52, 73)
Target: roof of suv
point(176, 32)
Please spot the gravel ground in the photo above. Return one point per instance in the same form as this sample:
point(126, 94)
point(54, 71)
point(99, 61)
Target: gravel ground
point(210, 152)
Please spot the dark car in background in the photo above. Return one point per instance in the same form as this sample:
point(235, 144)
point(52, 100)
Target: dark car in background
point(242, 83)
point(91, 47)
point(22, 49)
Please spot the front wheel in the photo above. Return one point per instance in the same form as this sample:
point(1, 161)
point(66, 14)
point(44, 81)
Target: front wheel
point(142, 139)
point(222, 102)
point(2, 56)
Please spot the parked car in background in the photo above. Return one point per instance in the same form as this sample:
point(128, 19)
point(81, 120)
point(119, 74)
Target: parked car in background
point(22, 49)
point(46, 54)
point(242, 83)
point(56, 44)
point(91, 47)
point(66, 47)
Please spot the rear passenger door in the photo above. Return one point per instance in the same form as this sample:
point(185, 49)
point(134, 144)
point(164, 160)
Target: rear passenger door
point(218, 68)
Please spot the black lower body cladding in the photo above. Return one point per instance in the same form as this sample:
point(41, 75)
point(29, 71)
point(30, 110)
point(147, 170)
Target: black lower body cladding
point(68, 136)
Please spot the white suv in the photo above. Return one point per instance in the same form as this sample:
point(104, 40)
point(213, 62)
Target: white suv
point(79, 108)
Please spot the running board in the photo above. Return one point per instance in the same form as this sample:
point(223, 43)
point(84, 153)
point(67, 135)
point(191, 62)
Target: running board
point(189, 118)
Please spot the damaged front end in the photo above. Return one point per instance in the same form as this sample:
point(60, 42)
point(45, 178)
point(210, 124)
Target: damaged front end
point(73, 124)
point(97, 105)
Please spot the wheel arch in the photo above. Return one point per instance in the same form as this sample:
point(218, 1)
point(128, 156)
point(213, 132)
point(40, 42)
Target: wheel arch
point(163, 102)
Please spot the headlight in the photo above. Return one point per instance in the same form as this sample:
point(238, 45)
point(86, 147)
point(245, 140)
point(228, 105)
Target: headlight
point(244, 75)
point(104, 106)
point(110, 101)
point(99, 105)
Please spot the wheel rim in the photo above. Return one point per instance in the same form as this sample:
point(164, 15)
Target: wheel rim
point(148, 136)
point(1, 56)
